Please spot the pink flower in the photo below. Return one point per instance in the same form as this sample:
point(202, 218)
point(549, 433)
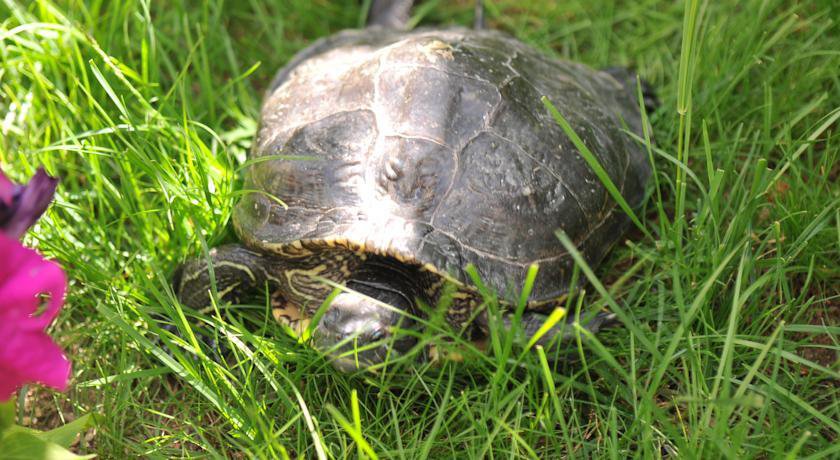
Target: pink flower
point(27, 354)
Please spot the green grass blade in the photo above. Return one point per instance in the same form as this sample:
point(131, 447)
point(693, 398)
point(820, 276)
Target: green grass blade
point(593, 163)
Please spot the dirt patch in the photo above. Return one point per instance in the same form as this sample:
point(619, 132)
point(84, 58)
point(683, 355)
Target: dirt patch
point(44, 410)
point(824, 352)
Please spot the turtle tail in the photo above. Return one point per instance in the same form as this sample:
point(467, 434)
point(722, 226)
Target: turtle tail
point(478, 17)
point(392, 14)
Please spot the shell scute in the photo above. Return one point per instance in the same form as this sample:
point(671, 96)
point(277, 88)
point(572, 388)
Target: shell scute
point(415, 174)
point(428, 103)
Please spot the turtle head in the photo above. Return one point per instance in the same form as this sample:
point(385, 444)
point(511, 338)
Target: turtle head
point(364, 325)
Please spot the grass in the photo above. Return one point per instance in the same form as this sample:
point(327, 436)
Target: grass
point(146, 110)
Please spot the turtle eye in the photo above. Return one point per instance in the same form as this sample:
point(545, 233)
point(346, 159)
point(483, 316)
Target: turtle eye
point(377, 335)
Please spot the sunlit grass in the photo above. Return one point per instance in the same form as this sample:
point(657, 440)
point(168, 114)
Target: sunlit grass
point(730, 302)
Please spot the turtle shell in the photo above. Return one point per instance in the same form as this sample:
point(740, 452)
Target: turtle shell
point(433, 147)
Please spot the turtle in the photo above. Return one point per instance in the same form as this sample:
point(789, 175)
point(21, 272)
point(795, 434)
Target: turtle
point(387, 161)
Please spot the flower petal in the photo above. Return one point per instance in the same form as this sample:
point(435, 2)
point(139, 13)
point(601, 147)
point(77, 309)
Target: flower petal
point(23, 279)
point(27, 353)
point(30, 356)
point(25, 206)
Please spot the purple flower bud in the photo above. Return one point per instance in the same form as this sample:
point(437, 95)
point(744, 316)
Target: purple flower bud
point(22, 205)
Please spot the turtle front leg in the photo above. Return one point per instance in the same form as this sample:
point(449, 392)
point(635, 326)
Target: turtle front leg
point(238, 273)
point(531, 322)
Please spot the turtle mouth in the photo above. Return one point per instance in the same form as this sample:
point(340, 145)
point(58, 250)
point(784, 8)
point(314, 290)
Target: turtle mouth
point(365, 326)
point(354, 341)
point(354, 356)
point(355, 353)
